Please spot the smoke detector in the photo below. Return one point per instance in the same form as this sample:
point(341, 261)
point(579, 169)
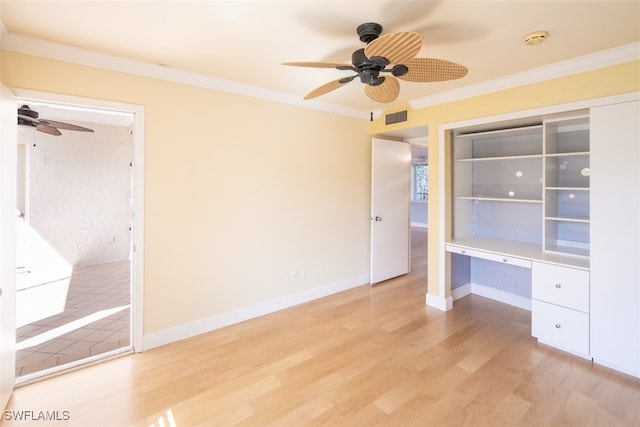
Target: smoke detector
point(535, 38)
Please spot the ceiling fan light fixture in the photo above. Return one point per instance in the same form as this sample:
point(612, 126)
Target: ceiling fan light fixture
point(535, 38)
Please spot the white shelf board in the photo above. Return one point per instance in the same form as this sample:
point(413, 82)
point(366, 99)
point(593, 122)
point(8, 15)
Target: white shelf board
point(568, 219)
point(524, 130)
point(500, 199)
point(569, 154)
point(567, 188)
point(516, 157)
point(570, 250)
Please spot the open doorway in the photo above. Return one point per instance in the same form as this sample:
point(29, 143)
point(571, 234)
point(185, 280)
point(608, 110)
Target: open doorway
point(75, 278)
point(415, 171)
point(419, 185)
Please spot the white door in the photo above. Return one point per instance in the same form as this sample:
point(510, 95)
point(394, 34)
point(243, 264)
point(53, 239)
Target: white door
point(8, 215)
point(390, 209)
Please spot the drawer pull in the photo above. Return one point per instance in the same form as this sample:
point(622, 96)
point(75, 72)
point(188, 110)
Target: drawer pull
point(558, 285)
point(505, 259)
point(558, 326)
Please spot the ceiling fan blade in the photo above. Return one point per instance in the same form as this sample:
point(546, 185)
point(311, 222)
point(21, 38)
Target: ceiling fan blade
point(432, 70)
point(27, 118)
point(326, 88)
point(396, 47)
point(385, 92)
point(318, 64)
point(48, 129)
point(65, 126)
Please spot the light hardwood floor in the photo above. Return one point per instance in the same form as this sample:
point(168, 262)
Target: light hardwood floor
point(365, 357)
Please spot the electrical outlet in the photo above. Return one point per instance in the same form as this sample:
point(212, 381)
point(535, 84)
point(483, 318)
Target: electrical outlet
point(304, 273)
point(293, 275)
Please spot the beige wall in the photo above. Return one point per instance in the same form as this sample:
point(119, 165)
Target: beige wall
point(238, 191)
point(613, 80)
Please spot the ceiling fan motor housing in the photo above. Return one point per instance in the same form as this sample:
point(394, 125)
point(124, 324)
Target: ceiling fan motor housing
point(369, 31)
point(367, 70)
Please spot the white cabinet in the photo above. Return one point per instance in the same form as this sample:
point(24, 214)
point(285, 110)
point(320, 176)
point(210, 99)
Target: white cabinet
point(520, 199)
point(560, 307)
point(551, 203)
point(615, 236)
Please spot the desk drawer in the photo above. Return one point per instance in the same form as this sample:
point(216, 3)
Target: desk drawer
point(491, 256)
point(560, 327)
point(565, 286)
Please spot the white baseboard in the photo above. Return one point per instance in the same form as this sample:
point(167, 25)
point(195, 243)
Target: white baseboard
point(188, 330)
point(626, 370)
point(492, 293)
point(461, 291)
point(436, 301)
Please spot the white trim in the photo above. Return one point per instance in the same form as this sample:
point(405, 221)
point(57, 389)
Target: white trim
point(501, 296)
point(461, 291)
point(436, 301)
point(48, 49)
point(541, 111)
point(580, 64)
point(623, 369)
point(138, 187)
point(491, 293)
point(188, 330)
point(420, 224)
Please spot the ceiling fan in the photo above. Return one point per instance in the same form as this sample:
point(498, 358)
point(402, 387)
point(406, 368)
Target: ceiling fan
point(392, 54)
point(29, 117)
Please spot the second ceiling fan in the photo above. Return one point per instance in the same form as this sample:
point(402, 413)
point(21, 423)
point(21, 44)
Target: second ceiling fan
point(393, 55)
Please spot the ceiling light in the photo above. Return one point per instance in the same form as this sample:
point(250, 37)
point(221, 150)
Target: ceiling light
point(535, 38)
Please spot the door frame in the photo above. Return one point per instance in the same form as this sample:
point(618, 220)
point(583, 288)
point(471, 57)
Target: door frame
point(8, 176)
point(380, 164)
point(413, 135)
point(137, 234)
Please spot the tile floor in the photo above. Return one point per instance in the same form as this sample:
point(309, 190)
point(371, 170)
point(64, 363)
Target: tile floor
point(96, 319)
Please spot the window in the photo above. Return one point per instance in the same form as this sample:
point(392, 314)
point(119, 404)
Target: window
point(420, 181)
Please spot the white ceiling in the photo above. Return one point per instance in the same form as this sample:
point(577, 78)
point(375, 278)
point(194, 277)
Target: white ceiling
point(246, 41)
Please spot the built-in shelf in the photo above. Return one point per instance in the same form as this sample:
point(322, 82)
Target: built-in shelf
point(517, 157)
point(494, 133)
point(578, 153)
point(568, 219)
point(500, 199)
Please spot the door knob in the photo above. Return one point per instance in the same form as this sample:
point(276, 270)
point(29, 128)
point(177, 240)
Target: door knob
point(378, 219)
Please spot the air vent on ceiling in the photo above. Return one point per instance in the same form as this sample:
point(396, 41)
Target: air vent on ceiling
point(400, 116)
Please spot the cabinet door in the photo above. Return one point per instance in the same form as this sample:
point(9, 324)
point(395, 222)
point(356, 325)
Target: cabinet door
point(615, 236)
point(560, 327)
point(564, 286)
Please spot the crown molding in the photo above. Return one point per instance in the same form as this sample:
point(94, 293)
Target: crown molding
point(580, 64)
point(47, 49)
